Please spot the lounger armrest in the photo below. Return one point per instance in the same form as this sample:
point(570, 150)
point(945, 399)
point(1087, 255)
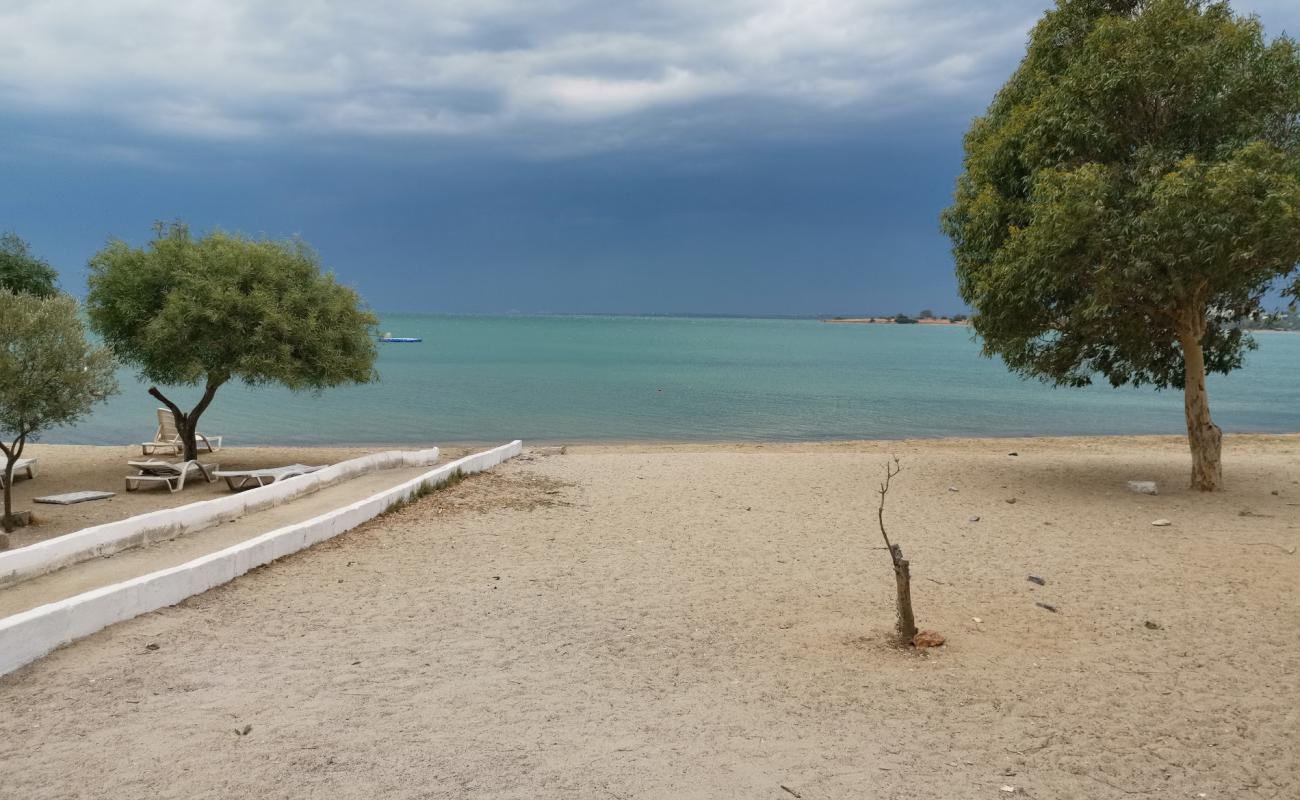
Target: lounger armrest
point(211, 443)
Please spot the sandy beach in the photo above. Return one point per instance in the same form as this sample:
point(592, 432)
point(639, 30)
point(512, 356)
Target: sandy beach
point(74, 468)
point(711, 621)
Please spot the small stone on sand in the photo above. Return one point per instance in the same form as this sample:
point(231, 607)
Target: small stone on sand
point(928, 639)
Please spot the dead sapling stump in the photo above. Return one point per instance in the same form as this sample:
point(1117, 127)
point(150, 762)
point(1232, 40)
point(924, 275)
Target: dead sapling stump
point(906, 624)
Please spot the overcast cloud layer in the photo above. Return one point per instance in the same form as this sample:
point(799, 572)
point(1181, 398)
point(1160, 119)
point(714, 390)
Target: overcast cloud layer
point(745, 156)
point(247, 68)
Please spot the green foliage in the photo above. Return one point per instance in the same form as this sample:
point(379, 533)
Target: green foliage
point(1137, 179)
point(22, 272)
point(190, 311)
point(49, 374)
point(903, 319)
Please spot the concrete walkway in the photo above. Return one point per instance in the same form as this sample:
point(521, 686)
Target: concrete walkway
point(105, 571)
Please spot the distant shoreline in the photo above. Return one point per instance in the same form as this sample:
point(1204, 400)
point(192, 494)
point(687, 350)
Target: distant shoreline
point(891, 321)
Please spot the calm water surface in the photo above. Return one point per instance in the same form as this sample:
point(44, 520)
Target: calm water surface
point(627, 378)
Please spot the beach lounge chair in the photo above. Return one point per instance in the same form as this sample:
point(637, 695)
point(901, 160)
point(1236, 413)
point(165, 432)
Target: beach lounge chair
point(238, 479)
point(161, 473)
point(167, 439)
point(27, 465)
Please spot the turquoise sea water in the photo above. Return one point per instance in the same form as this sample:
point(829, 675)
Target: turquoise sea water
point(560, 379)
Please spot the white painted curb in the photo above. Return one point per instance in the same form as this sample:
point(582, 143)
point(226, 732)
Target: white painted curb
point(168, 523)
point(31, 634)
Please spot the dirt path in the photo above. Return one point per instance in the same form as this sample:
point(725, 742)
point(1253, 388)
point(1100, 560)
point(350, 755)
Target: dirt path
point(139, 561)
point(708, 622)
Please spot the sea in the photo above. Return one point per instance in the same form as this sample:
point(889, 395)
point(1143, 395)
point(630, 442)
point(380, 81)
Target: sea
point(561, 379)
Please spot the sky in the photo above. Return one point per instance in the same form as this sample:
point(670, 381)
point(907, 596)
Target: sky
point(767, 157)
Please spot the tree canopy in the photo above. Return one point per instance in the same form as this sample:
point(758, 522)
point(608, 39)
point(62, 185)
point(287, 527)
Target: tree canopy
point(1130, 196)
point(204, 311)
point(22, 272)
point(49, 374)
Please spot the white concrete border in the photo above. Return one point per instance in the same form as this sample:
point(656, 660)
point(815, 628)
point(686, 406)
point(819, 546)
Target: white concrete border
point(31, 634)
point(168, 523)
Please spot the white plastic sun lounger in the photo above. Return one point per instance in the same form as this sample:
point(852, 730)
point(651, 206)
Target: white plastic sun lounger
point(161, 473)
point(238, 479)
point(27, 465)
point(167, 439)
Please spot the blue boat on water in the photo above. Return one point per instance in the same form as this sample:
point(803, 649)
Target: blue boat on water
point(391, 339)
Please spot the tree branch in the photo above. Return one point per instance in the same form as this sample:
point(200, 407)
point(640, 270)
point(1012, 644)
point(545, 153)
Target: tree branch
point(209, 392)
point(175, 409)
point(891, 470)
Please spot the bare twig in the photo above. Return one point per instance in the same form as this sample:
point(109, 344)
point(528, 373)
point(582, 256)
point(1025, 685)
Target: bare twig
point(1117, 788)
point(891, 470)
point(1036, 748)
point(1288, 550)
point(902, 570)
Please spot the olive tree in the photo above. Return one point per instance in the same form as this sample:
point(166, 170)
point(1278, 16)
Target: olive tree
point(22, 272)
point(204, 311)
point(49, 375)
point(1130, 197)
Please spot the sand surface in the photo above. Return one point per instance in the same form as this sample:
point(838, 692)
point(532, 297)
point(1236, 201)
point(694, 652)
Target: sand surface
point(136, 562)
point(711, 622)
point(75, 468)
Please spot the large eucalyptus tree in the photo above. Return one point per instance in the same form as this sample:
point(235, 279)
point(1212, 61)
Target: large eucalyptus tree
point(1130, 197)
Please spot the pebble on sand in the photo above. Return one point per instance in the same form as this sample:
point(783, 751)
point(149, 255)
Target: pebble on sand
point(928, 639)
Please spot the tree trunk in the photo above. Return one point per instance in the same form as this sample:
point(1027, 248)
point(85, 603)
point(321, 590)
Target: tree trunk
point(188, 424)
point(903, 577)
point(6, 521)
point(11, 453)
point(1203, 436)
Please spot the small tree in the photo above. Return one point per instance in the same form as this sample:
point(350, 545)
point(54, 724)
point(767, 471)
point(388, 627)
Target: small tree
point(23, 273)
point(202, 312)
point(925, 314)
point(1129, 198)
point(49, 376)
point(906, 624)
